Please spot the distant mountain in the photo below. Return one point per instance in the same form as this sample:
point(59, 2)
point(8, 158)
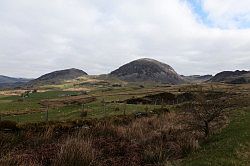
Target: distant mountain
point(57, 77)
point(6, 79)
point(233, 77)
point(147, 70)
point(11, 82)
point(198, 78)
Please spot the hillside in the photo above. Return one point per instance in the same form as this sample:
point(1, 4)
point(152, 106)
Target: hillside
point(57, 77)
point(11, 82)
point(197, 78)
point(230, 147)
point(147, 70)
point(233, 77)
point(6, 79)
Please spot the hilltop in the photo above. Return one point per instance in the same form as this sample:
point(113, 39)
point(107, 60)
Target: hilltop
point(233, 77)
point(57, 77)
point(147, 70)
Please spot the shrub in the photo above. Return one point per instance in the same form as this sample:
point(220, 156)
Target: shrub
point(160, 110)
point(9, 125)
point(83, 114)
point(205, 114)
point(116, 109)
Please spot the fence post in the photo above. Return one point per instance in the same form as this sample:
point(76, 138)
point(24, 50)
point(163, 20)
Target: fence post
point(103, 107)
point(124, 110)
point(105, 110)
point(82, 107)
point(47, 113)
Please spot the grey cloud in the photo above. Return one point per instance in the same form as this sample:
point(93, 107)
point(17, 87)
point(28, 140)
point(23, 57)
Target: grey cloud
point(97, 36)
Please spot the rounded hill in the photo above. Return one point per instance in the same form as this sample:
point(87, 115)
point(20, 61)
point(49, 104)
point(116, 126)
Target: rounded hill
point(57, 77)
point(148, 70)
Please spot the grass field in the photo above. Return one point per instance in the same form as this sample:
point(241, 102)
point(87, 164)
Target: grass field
point(230, 147)
point(154, 139)
point(29, 110)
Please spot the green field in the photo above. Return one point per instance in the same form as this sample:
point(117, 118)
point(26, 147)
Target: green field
point(230, 147)
point(33, 112)
point(162, 136)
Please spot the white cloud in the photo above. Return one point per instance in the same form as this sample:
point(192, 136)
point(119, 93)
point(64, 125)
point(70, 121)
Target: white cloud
point(98, 36)
point(228, 13)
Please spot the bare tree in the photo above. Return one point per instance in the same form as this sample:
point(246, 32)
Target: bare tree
point(206, 114)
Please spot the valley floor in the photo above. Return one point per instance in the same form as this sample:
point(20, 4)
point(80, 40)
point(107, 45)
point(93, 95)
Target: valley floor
point(128, 125)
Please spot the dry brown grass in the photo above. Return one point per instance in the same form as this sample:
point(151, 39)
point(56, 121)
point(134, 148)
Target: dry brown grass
point(75, 151)
point(15, 92)
point(244, 152)
point(162, 137)
point(150, 140)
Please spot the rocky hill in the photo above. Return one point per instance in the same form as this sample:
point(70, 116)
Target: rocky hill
point(233, 77)
point(57, 77)
point(147, 70)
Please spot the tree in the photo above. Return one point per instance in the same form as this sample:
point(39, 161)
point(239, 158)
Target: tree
point(206, 114)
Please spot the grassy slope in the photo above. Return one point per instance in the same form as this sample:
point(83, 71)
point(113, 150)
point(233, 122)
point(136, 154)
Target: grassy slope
point(96, 110)
point(230, 147)
point(10, 103)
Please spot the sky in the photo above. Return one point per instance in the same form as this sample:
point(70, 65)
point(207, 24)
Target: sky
point(97, 36)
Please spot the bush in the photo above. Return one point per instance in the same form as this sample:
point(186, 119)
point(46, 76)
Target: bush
point(8, 125)
point(160, 110)
point(83, 114)
point(206, 114)
point(116, 109)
